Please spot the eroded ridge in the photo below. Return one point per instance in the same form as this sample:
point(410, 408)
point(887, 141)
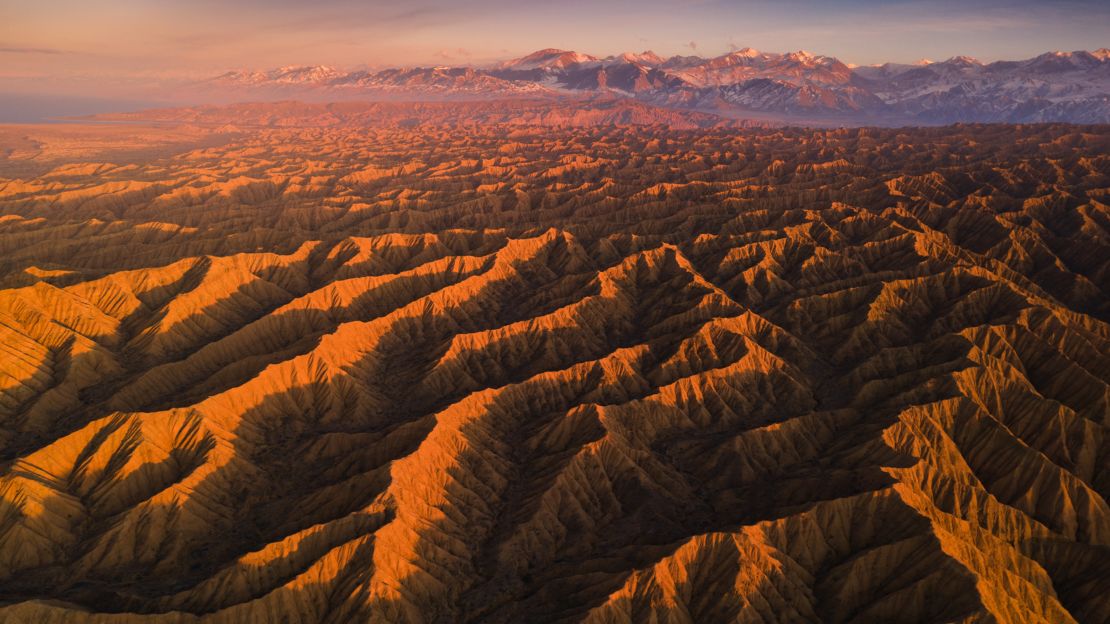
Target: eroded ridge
point(501, 373)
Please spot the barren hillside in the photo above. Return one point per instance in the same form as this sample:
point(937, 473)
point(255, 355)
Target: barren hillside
point(606, 370)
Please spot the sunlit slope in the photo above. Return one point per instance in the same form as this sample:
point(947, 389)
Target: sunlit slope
point(525, 374)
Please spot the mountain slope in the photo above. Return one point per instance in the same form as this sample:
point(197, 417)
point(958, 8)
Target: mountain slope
point(1057, 86)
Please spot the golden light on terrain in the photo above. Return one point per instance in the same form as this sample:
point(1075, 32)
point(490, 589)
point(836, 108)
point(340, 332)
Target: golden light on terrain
point(509, 362)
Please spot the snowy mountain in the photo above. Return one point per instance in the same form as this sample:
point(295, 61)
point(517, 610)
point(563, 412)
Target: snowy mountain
point(551, 59)
point(1056, 86)
point(291, 75)
point(414, 80)
point(647, 58)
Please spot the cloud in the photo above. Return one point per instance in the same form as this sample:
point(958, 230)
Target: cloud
point(693, 45)
point(17, 50)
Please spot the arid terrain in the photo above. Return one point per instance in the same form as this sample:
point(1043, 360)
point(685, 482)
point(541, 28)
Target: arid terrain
point(615, 364)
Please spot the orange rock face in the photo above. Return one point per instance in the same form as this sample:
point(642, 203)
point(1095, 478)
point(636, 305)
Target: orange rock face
point(430, 371)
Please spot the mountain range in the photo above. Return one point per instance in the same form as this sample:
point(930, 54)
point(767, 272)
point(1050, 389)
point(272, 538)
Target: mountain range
point(794, 86)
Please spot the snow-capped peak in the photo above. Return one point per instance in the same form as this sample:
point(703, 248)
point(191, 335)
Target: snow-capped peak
point(549, 58)
point(746, 53)
point(965, 61)
point(801, 55)
point(304, 73)
point(647, 57)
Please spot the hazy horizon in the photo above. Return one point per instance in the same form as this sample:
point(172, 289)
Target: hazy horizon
point(128, 48)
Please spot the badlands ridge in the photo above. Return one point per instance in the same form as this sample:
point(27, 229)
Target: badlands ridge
point(307, 364)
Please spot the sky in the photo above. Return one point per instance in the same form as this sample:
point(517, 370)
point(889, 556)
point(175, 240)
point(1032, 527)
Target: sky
point(95, 47)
